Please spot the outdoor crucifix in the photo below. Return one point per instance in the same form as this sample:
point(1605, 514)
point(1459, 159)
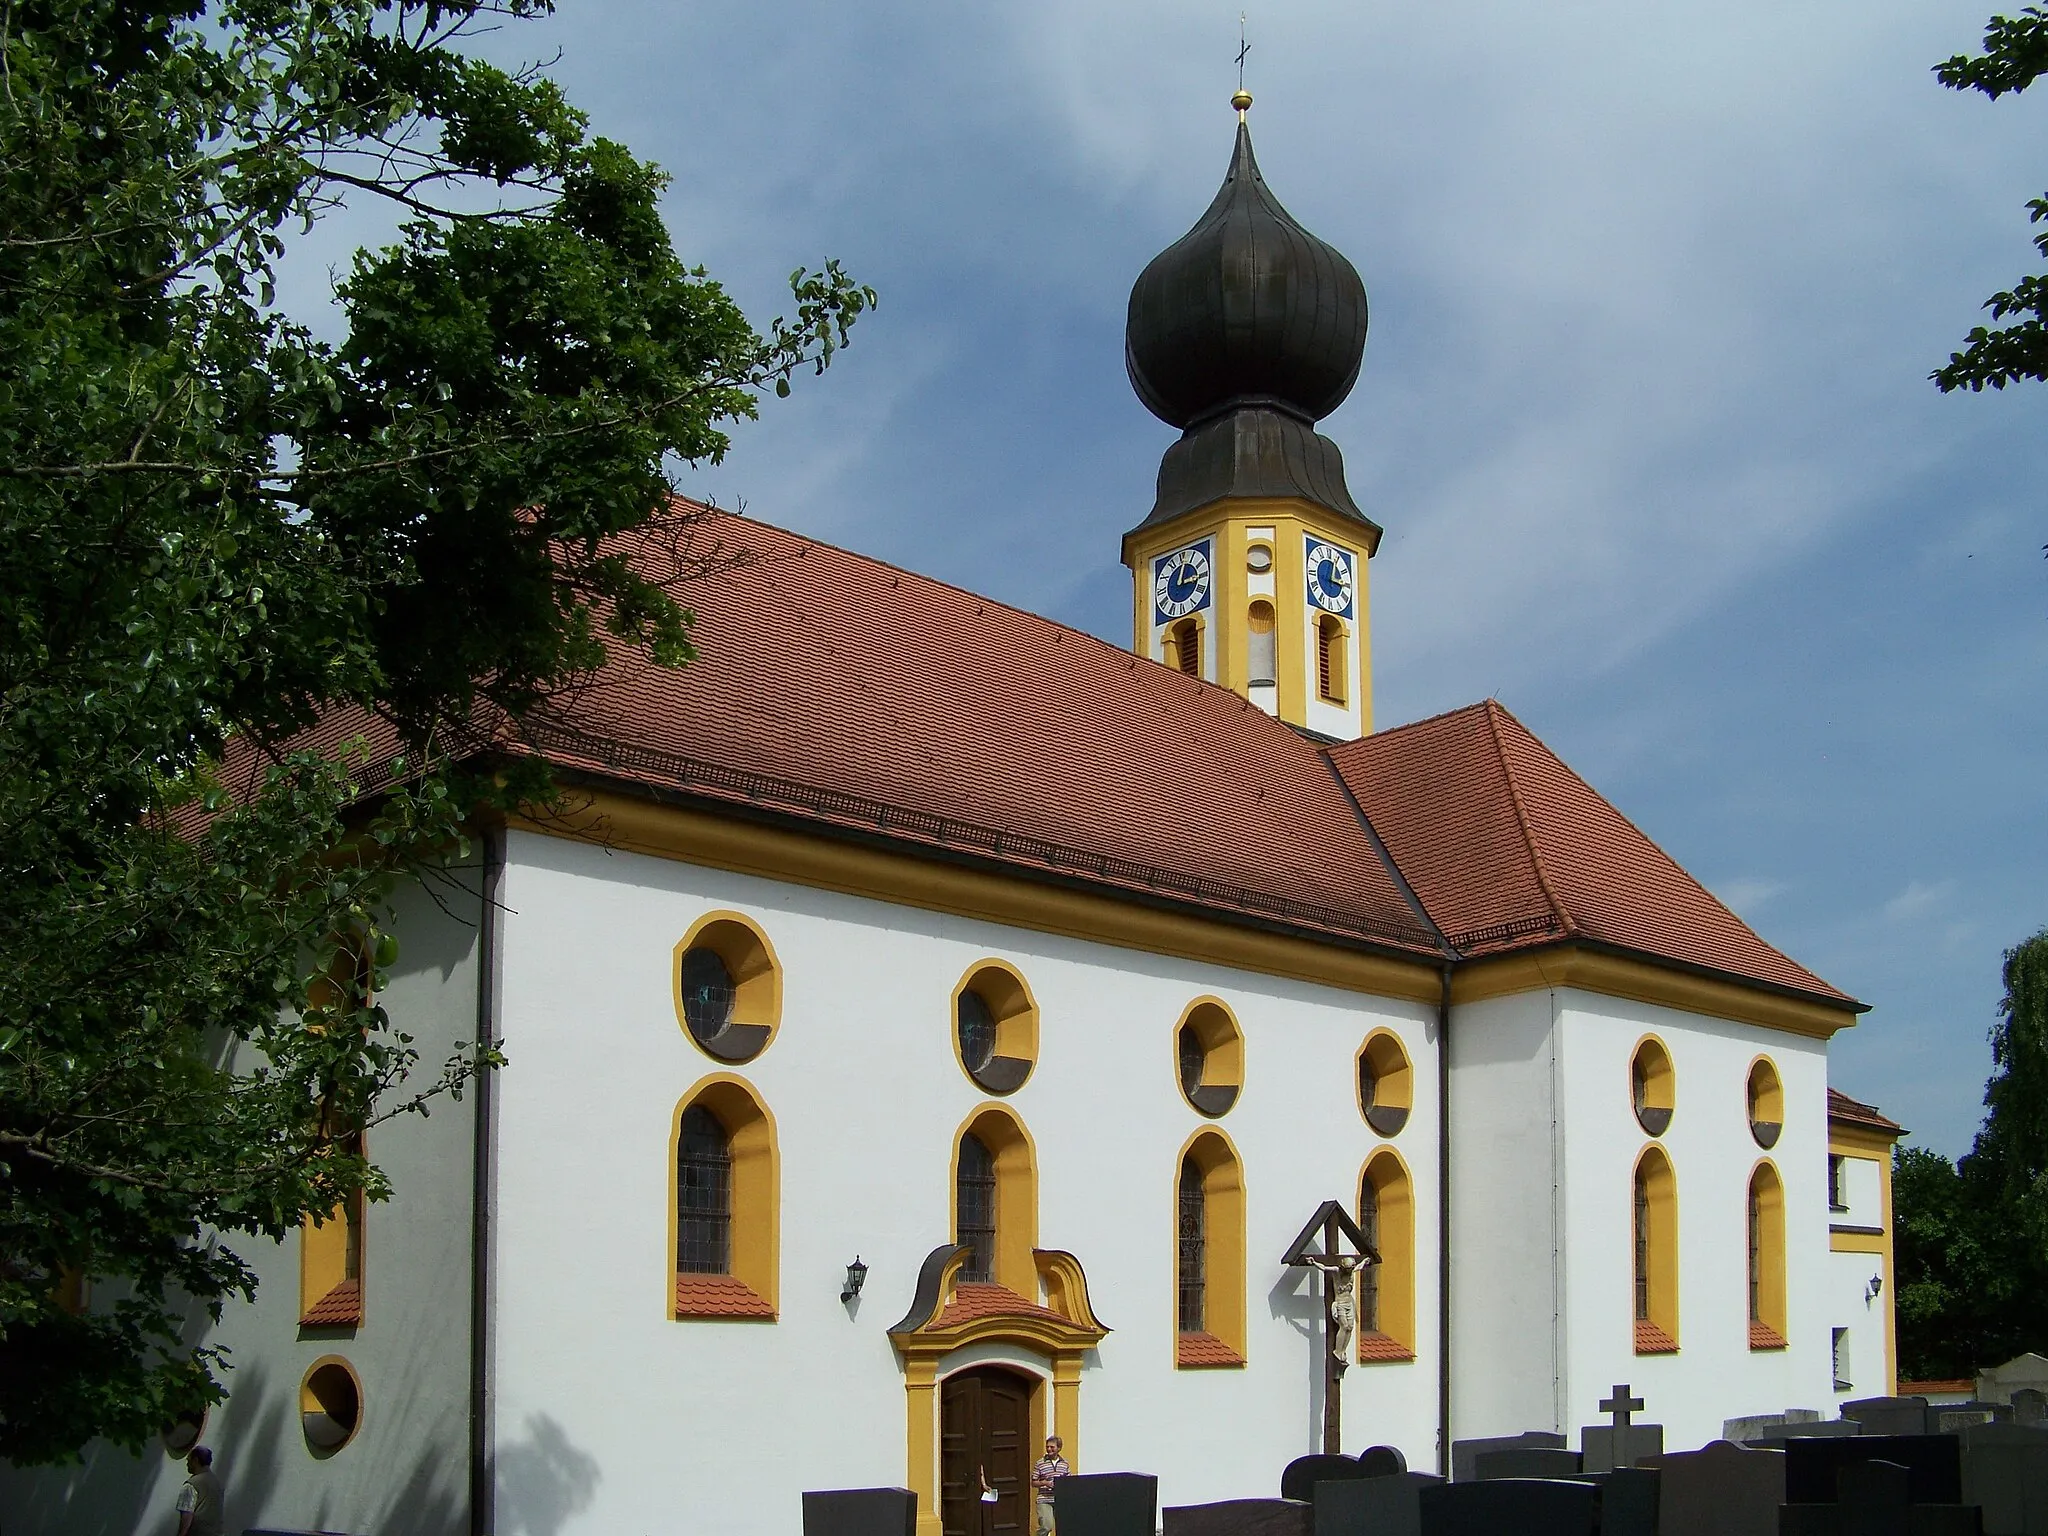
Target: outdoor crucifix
point(1334, 1228)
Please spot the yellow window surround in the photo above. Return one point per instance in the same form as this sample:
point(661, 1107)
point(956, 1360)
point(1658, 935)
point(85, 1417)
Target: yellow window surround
point(1016, 1214)
point(1222, 1341)
point(1655, 1230)
point(1386, 1311)
point(750, 1291)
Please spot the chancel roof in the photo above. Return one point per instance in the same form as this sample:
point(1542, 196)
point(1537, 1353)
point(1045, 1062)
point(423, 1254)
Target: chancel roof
point(858, 699)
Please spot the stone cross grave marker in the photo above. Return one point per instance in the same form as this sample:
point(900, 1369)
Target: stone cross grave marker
point(2005, 1472)
point(1620, 1443)
point(861, 1512)
point(1721, 1490)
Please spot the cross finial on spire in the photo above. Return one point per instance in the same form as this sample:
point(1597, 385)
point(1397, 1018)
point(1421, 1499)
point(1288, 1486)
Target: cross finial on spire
point(1242, 100)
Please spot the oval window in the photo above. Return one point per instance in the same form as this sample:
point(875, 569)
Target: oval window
point(1385, 1083)
point(1209, 1051)
point(1651, 1086)
point(728, 987)
point(977, 1032)
point(995, 1027)
point(330, 1406)
point(707, 993)
point(1766, 1103)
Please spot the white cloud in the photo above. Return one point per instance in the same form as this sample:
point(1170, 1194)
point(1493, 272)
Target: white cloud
point(1745, 895)
point(1920, 899)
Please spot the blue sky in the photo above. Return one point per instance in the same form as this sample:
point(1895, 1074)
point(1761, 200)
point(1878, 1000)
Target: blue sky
point(1644, 412)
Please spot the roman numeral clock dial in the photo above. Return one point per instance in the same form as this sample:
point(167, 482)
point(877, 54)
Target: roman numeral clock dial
point(1331, 581)
point(1181, 582)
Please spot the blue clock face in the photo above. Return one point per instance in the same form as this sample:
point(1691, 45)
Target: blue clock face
point(1331, 577)
point(1181, 582)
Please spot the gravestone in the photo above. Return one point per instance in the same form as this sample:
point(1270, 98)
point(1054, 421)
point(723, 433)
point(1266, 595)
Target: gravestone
point(2029, 1406)
point(1373, 1506)
point(1933, 1464)
point(1721, 1490)
point(1600, 1451)
point(1826, 1429)
point(1510, 1507)
point(1888, 1415)
point(1756, 1426)
point(1526, 1461)
point(1299, 1480)
point(1998, 1384)
point(861, 1512)
point(1628, 1500)
point(1465, 1453)
point(1381, 1461)
point(1107, 1504)
point(1236, 1517)
point(2005, 1473)
point(1954, 1418)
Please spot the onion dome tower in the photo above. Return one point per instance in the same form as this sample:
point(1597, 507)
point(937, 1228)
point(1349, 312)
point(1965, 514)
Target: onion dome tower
point(1250, 568)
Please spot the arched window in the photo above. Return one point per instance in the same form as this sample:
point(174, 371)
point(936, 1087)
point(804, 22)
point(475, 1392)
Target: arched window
point(995, 1201)
point(331, 1258)
point(1386, 1290)
point(1187, 646)
point(1656, 1255)
point(724, 1196)
point(728, 987)
point(1262, 658)
point(1193, 1245)
point(1766, 1259)
point(703, 1195)
point(1330, 680)
point(975, 1208)
point(1385, 1082)
point(1209, 1262)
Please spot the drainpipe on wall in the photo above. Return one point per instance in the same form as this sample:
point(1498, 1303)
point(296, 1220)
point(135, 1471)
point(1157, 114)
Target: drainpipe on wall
point(1443, 1223)
point(482, 1477)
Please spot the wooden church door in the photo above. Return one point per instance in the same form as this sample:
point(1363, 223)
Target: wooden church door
point(985, 1425)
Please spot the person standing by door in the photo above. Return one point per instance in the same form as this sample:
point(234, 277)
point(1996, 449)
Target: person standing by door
point(1043, 1471)
point(199, 1500)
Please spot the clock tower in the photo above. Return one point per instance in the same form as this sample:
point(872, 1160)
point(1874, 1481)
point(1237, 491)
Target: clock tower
point(1250, 570)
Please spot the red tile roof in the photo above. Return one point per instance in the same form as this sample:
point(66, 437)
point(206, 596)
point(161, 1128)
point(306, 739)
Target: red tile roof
point(1506, 848)
point(1847, 1110)
point(857, 698)
point(1379, 1346)
point(1764, 1336)
point(1203, 1351)
point(972, 1299)
point(720, 1296)
point(341, 1307)
point(1652, 1340)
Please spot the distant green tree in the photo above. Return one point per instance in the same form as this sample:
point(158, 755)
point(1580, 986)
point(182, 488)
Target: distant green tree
point(218, 528)
point(2014, 57)
point(1971, 1238)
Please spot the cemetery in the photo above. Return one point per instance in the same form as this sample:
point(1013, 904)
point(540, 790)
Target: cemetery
point(1890, 1466)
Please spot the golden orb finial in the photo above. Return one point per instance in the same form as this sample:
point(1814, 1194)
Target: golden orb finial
point(1242, 101)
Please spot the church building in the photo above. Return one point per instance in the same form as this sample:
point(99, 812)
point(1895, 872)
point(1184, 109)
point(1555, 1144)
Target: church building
point(930, 1028)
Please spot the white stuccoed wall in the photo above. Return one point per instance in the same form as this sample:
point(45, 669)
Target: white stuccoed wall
point(1714, 1375)
point(652, 1424)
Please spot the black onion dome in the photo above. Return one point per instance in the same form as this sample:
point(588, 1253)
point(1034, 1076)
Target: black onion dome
point(1247, 307)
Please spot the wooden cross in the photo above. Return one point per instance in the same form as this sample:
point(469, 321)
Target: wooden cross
point(1621, 1405)
point(1333, 1224)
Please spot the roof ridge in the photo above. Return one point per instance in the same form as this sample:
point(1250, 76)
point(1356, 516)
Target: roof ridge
point(1386, 857)
point(1410, 725)
point(1492, 711)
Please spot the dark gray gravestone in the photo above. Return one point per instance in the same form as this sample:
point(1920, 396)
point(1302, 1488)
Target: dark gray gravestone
point(1873, 1497)
point(1465, 1453)
point(2029, 1406)
point(1236, 1517)
point(1889, 1415)
point(1599, 1451)
point(1628, 1500)
point(1527, 1461)
point(1381, 1461)
point(1755, 1426)
point(1299, 1480)
point(1826, 1429)
point(861, 1512)
point(1373, 1506)
point(1510, 1507)
point(1722, 1490)
point(2005, 1472)
point(1933, 1463)
point(1954, 1418)
point(1106, 1504)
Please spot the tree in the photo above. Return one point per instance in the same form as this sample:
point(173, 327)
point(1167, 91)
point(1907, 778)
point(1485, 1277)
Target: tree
point(220, 529)
point(2015, 55)
point(1971, 1238)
